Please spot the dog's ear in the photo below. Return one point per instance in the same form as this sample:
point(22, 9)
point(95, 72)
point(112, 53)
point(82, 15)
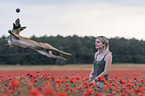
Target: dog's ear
point(22, 28)
point(14, 26)
point(17, 21)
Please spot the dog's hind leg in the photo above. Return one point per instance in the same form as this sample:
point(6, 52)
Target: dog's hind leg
point(49, 47)
point(49, 54)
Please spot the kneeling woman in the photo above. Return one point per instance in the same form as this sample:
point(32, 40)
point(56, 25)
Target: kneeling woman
point(102, 59)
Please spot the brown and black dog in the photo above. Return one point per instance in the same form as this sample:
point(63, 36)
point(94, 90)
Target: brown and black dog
point(43, 48)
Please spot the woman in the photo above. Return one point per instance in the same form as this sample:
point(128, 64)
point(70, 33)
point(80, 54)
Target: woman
point(102, 60)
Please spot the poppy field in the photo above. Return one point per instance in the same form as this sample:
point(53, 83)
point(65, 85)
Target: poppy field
point(71, 80)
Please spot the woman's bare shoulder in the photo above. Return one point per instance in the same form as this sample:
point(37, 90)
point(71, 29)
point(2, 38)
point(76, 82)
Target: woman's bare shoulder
point(109, 55)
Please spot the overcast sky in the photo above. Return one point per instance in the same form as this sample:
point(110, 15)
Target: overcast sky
point(110, 18)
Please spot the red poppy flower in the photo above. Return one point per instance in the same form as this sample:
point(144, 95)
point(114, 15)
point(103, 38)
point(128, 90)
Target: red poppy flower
point(34, 92)
point(14, 84)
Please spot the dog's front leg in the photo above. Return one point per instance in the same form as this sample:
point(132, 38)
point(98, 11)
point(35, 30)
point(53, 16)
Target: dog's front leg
point(15, 35)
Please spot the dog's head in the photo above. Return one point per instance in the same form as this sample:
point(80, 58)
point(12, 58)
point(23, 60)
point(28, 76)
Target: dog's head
point(17, 24)
point(17, 27)
point(17, 21)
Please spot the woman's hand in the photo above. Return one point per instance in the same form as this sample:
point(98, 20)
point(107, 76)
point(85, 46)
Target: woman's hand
point(96, 79)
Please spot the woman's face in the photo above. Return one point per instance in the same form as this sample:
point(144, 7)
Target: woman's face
point(99, 44)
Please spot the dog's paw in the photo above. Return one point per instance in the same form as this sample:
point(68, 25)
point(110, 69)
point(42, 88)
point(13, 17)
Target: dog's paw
point(7, 45)
point(9, 31)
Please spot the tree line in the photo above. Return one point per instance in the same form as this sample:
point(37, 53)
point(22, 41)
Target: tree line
point(81, 48)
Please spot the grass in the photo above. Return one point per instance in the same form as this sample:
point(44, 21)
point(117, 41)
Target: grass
point(71, 67)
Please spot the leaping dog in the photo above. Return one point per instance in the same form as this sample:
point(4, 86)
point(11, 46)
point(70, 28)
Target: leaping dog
point(43, 48)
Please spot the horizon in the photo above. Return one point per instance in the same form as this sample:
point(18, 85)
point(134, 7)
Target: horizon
point(79, 37)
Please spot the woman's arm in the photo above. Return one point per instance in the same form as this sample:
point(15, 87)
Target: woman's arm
point(108, 61)
point(92, 71)
point(90, 76)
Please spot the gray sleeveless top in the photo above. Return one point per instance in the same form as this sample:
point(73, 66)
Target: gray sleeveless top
point(99, 66)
